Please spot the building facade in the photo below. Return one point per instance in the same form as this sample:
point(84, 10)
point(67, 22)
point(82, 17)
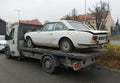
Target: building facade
point(2, 27)
point(91, 21)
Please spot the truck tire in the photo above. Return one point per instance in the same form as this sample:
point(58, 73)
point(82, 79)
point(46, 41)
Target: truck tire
point(48, 64)
point(66, 45)
point(7, 53)
point(29, 42)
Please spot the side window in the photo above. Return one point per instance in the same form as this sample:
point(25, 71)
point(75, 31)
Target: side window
point(12, 33)
point(48, 27)
point(60, 26)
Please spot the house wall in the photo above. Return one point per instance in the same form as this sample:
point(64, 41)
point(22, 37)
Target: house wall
point(92, 22)
point(2, 27)
point(109, 23)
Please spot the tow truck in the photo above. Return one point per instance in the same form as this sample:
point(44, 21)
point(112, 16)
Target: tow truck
point(50, 58)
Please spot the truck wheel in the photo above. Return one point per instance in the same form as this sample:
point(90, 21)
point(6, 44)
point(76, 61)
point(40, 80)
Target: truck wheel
point(66, 45)
point(48, 64)
point(7, 53)
point(29, 42)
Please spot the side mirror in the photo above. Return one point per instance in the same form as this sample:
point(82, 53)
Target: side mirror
point(7, 37)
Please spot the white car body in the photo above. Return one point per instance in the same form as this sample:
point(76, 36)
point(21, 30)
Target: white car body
point(80, 38)
point(2, 42)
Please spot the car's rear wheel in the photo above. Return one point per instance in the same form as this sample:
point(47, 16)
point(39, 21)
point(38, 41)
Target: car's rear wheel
point(66, 45)
point(29, 42)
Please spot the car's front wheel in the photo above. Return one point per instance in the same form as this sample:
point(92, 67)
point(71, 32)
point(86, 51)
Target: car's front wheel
point(66, 45)
point(29, 42)
point(7, 53)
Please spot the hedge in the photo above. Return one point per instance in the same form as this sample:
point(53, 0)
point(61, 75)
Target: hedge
point(113, 49)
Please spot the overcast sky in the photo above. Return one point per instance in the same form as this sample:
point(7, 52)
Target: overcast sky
point(48, 9)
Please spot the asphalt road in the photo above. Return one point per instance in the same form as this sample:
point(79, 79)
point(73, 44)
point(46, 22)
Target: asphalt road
point(29, 71)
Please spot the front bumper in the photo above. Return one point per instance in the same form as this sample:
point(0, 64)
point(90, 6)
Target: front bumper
point(90, 45)
point(2, 48)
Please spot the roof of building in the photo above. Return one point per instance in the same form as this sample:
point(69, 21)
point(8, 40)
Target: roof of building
point(91, 16)
point(2, 20)
point(32, 22)
point(28, 22)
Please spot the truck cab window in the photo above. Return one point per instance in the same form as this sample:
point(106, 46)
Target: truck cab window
point(11, 36)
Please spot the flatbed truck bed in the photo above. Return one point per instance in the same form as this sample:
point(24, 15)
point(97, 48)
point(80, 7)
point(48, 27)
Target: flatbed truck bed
point(75, 60)
point(83, 54)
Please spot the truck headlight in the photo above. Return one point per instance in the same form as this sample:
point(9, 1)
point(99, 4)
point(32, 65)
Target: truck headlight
point(2, 44)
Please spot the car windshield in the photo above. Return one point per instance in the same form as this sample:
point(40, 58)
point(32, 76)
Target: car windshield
point(78, 25)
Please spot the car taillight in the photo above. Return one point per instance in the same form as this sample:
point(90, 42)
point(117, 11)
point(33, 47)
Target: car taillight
point(76, 66)
point(94, 39)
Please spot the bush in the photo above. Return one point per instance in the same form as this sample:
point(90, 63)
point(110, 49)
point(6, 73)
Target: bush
point(113, 49)
point(112, 58)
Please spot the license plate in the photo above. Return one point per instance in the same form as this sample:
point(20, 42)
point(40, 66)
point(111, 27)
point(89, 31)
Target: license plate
point(102, 38)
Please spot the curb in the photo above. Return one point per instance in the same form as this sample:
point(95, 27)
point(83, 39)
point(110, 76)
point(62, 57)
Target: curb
point(111, 69)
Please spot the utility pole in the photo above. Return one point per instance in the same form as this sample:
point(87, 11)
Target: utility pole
point(101, 1)
point(18, 11)
point(85, 13)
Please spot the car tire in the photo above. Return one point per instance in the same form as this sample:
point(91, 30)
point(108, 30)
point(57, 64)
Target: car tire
point(66, 45)
point(7, 53)
point(29, 42)
point(48, 64)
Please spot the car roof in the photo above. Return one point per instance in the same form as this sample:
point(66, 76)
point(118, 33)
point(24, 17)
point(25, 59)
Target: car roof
point(61, 21)
point(65, 22)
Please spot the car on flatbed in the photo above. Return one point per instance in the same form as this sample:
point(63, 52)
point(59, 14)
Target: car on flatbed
point(66, 35)
point(50, 58)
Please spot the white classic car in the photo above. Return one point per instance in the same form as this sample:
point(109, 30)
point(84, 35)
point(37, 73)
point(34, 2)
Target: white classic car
point(66, 35)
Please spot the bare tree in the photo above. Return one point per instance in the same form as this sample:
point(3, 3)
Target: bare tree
point(100, 12)
point(74, 14)
point(67, 17)
point(71, 16)
point(89, 23)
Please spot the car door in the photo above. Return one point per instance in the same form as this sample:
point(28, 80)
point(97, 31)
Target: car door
point(13, 41)
point(60, 31)
point(45, 35)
